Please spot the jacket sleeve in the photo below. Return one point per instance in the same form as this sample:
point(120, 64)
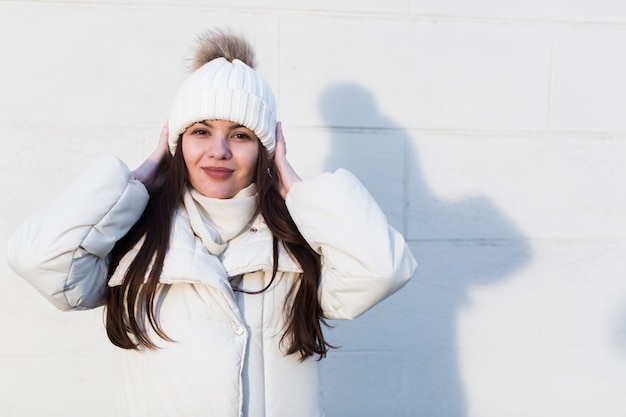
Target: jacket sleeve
point(364, 260)
point(63, 250)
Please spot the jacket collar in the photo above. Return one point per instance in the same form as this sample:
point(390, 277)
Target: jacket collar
point(189, 261)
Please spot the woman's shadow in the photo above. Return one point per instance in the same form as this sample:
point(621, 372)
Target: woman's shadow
point(401, 358)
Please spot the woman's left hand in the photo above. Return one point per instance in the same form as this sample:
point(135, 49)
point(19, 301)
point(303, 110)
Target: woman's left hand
point(286, 174)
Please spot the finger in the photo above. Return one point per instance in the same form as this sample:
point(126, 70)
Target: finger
point(279, 132)
point(280, 138)
point(165, 131)
point(163, 138)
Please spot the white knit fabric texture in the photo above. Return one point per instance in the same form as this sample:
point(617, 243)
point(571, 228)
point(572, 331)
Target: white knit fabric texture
point(224, 90)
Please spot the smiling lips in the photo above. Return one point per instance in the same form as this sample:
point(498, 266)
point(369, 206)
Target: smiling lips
point(219, 173)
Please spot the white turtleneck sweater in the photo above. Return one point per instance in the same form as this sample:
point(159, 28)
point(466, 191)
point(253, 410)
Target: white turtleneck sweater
point(216, 221)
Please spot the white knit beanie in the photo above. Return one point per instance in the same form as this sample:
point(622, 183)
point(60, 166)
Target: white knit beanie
point(224, 88)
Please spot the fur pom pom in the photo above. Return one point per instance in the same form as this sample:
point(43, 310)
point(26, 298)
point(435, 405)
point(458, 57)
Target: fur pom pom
point(214, 44)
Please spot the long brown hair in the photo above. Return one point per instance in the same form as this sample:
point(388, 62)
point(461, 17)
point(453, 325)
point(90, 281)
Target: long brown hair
point(132, 304)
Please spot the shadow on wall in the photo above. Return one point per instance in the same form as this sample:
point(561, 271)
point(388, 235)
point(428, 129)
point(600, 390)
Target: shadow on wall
point(401, 358)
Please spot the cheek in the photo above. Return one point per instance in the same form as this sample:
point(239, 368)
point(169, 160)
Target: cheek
point(191, 152)
point(185, 154)
point(188, 156)
point(250, 160)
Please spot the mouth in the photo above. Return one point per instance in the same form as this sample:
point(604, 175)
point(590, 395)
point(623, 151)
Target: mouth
point(219, 173)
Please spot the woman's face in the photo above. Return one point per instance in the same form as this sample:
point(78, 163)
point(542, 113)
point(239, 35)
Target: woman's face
point(220, 157)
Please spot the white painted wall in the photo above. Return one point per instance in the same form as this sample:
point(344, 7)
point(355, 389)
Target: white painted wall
point(493, 133)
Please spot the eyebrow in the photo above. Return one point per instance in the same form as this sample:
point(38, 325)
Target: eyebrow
point(235, 126)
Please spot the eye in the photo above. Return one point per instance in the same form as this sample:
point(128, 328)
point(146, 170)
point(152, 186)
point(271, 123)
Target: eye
point(242, 136)
point(199, 131)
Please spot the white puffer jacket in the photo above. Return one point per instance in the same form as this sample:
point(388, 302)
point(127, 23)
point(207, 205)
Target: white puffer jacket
point(226, 359)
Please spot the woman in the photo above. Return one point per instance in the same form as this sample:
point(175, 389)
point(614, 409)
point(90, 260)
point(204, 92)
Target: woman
point(216, 264)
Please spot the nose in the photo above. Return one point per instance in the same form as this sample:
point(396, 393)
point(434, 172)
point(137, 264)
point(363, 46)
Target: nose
point(219, 147)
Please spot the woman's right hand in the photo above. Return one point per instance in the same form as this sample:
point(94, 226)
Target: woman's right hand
point(145, 172)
